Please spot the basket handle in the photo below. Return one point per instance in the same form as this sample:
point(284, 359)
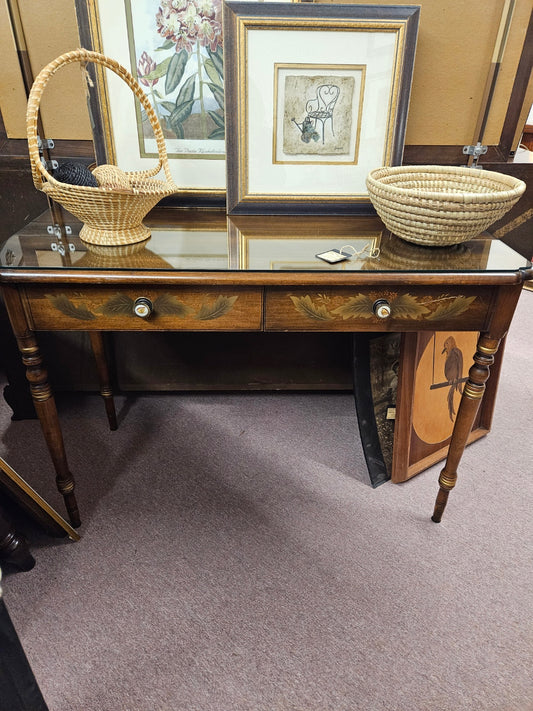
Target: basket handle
point(39, 172)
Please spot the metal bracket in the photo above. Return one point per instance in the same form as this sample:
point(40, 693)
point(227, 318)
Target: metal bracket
point(58, 246)
point(56, 230)
point(49, 164)
point(476, 151)
point(47, 144)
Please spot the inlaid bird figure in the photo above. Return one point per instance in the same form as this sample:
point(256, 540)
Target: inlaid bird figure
point(453, 371)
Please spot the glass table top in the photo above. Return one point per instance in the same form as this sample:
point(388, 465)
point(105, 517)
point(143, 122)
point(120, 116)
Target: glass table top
point(211, 241)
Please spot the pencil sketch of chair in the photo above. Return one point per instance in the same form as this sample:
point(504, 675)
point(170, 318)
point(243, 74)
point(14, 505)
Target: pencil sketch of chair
point(321, 108)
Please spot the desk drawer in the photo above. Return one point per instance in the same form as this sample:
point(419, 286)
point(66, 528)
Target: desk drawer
point(112, 309)
point(351, 309)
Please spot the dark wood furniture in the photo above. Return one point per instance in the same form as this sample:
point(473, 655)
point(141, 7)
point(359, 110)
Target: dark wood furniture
point(201, 271)
point(14, 548)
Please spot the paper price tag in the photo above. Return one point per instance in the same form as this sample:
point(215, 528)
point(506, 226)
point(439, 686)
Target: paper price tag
point(332, 256)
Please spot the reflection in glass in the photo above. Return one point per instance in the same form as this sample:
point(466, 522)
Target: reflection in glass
point(211, 241)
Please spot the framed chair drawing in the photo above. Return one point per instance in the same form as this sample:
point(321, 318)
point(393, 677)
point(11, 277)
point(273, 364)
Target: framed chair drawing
point(319, 96)
point(319, 110)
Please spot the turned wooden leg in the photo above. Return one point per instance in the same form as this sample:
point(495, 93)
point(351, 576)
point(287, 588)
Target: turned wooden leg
point(43, 399)
point(45, 407)
point(470, 401)
point(102, 366)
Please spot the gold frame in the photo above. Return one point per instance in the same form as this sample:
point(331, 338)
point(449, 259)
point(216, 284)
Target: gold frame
point(256, 183)
point(33, 503)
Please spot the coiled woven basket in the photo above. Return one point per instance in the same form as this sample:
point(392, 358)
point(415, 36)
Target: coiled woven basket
point(112, 214)
point(441, 205)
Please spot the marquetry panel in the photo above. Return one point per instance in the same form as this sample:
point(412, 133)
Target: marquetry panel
point(351, 309)
point(187, 309)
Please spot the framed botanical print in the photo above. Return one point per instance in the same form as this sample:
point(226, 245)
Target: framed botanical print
point(175, 53)
point(316, 97)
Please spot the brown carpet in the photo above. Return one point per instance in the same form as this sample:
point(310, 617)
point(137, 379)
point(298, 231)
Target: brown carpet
point(235, 558)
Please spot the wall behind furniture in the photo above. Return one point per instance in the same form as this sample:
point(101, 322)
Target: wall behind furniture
point(456, 47)
point(37, 33)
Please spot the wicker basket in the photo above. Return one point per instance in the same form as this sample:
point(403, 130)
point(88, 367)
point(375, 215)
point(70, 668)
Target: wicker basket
point(129, 256)
point(441, 205)
point(111, 215)
point(397, 255)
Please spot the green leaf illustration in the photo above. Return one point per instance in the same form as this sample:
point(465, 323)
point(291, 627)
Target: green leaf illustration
point(217, 134)
point(117, 305)
point(176, 69)
point(186, 93)
point(160, 70)
point(168, 105)
point(168, 305)
point(176, 127)
point(218, 60)
point(181, 112)
point(167, 45)
point(305, 305)
point(359, 306)
point(452, 308)
point(217, 118)
point(408, 306)
point(212, 73)
point(217, 93)
point(62, 303)
point(221, 306)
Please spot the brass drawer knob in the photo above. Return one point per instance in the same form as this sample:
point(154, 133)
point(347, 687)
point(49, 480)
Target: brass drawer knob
point(381, 308)
point(143, 307)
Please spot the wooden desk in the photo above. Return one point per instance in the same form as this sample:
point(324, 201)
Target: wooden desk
point(205, 272)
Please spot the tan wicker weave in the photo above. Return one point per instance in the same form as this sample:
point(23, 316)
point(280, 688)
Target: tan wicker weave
point(111, 177)
point(129, 256)
point(398, 254)
point(441, 205)
point(111, 215)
